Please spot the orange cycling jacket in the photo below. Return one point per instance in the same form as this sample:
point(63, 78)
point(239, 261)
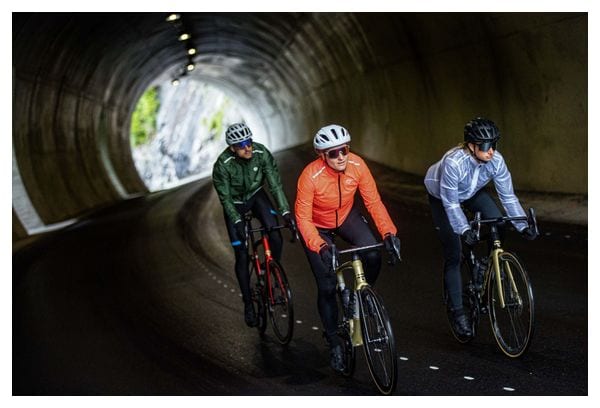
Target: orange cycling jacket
point(325, 197)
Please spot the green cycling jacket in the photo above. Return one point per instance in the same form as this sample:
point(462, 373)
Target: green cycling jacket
point(236, 180)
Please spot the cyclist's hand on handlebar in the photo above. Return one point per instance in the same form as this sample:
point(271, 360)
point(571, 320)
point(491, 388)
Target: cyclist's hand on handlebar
point(290, 222)
point(470, 237)
point(326, 253)
point(289, 219)
point(240, 230)
point(392, 245)
point(529, 233)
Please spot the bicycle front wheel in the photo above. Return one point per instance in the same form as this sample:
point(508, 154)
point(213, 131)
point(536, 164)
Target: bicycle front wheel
point(512, 324)
point(378, 341)
point(280, 306)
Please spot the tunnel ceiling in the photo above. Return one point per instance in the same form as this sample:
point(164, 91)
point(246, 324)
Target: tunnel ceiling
point(404, 84)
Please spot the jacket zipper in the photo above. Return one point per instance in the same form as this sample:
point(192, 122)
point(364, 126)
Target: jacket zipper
point(340, 200)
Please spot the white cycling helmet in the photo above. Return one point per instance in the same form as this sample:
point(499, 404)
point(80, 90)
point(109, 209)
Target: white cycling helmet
point(237, 133)
point(331, 136)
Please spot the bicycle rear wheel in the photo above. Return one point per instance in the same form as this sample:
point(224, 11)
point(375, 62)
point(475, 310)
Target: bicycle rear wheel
point(257, 288)
point(279, 303)
point(378, 339)
point(512, 325)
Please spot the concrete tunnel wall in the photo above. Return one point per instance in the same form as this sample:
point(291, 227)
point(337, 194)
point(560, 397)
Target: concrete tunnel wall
point(404, 84)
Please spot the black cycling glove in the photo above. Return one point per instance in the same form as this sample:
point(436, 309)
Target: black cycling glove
point(392, 244)
point(470, 237)
point(326, 254)
point(289, 219)
point(529, 233)
point(240, 230)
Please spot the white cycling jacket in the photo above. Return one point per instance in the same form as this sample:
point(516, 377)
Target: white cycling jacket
point(458, 176)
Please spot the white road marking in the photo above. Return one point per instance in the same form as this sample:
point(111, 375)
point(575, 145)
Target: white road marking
point(508, 389)
point(404, 358)
point(466, 377)
point(434, 367)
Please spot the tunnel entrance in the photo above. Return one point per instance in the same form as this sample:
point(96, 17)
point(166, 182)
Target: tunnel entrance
point(177, 131)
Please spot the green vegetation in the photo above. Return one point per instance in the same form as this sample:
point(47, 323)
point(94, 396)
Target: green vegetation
point(143, 120)
point(215, 124)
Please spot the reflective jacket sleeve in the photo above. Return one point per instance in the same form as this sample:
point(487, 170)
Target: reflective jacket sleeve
point(372, 200)
point(274, 181)
point(510, 202)
point(304, 213)
point(449, 196)
point(221, 182)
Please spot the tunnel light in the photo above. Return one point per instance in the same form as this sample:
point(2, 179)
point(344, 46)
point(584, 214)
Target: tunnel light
point(175, 82)
point(184, 36)
point(173, 17)
point(191, 51)
point(190, 67)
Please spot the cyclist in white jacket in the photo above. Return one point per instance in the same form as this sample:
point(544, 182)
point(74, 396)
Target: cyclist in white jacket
point(457, 181)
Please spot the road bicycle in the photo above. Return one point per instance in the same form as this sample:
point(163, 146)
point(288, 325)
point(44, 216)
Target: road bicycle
point(365, 322)
point(270, 289)
point(498, 285)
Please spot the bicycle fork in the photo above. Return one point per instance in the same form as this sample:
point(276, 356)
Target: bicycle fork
point(496, 265)
point(359, 276)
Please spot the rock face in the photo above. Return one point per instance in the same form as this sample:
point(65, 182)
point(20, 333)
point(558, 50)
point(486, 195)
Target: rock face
point(191, 124)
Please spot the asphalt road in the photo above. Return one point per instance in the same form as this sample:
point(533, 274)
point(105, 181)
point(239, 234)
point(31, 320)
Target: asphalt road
point(141, 299)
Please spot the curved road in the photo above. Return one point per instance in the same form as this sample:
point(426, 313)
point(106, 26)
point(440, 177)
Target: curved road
point(141, 299)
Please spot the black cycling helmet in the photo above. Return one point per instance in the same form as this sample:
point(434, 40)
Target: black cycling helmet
point(483, 132)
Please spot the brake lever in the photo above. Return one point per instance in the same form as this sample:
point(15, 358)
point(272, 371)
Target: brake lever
point(294, 230)
point(534, 221)
point(334, 260)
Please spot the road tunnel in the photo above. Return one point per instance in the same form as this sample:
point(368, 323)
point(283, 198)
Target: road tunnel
point(404, 84)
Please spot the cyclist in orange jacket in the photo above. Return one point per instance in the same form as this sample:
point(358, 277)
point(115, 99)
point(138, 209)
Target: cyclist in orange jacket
point(325, 206)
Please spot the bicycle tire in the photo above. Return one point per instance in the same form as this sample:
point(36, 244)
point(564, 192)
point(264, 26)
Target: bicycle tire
point(512, 326)
point(378, 341)
point(280, 306)
point(258, 299)
point(348, 348)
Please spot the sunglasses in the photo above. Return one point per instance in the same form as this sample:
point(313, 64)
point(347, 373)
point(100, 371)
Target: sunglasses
point(334, 153)
point(243, 145)
point(485, 146)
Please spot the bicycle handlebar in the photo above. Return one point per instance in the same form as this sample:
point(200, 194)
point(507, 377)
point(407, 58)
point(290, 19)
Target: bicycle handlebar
point(358, 249)
point(531, 220)
point(291, 226)
point(334, 260)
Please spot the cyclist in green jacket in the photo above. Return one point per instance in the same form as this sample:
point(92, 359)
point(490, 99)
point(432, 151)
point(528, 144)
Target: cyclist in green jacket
point(238, 176)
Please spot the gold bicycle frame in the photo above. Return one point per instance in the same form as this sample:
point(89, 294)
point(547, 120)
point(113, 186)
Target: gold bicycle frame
point(495, 255)
point(359, 283)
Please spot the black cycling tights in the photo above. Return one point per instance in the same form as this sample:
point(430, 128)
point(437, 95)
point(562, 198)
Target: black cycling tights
point(356, 231)
point(263, 210)
point(451, 241)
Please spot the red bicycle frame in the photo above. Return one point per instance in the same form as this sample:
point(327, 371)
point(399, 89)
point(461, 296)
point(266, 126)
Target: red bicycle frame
point(264, 241)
